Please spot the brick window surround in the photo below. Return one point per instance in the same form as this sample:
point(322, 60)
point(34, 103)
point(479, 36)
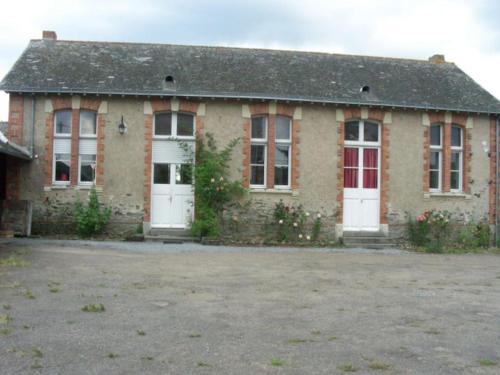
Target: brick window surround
point(439, 118)
point(15, 134)
point(162, 105)
point(376, 115)
point(263, 109)
point(58, 104)
point(493, 181)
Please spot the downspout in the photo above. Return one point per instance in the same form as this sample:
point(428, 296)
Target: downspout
point(33, 107)
point(497, 195)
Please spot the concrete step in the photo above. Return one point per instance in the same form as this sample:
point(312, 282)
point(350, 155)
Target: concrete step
point(377, 246)
point(170, 232)
point(362, 234)
point(368, 239)
point(170, 239)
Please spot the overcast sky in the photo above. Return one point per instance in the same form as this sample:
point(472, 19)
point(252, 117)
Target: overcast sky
point(466, 32)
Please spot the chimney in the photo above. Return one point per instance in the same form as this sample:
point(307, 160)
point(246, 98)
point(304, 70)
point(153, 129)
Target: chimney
point(49, 35)
point(437, 59)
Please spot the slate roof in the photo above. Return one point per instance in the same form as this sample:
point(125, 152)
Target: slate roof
point(49, 66)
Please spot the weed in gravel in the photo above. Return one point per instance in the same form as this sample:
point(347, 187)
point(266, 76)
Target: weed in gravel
point(316, 332)
point(112, 355)
point(277, 362)
point(29, 294)
point(7, 307)
point(6, 331)
point(203, 364)
point(54, 290)
point(348, 367)
point(37, 353)
point(487, 362)
point(141, 333)
point(432, 331)
point(36, 365)
point(94, 307)
point(147, 358)
point(332, 338)
point(14, 261)
point(379, 365)
point(5, 319)
point(297, 341)
point(25, 326)
point(195, 335)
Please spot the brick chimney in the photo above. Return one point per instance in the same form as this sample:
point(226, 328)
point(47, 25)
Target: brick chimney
point(437, 59)
point(49, 35)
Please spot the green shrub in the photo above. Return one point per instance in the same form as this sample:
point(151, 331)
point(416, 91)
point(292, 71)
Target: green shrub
point(475, 235)
point(430, 230)
point(212, 186)
point(90, 218)
point(418, 229)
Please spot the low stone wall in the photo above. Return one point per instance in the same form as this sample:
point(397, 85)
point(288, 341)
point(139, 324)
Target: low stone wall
point(16, 216)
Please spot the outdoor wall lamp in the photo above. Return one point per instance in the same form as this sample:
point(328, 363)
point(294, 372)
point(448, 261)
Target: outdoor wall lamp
point(122, 127)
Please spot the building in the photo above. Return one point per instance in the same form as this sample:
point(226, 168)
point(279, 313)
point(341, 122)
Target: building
point(363, 140)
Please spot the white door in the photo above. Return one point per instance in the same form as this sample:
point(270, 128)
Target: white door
point(362, 177)
point(172, 195)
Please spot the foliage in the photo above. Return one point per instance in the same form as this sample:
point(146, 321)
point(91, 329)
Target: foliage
point(292, 223)
point(475, 235)
point(431, 230)
point(90, 218)
point(212, 187)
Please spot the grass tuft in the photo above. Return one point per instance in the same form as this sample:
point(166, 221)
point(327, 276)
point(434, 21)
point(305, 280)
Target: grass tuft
point(379, 365)
point(94, 307)
point(348, 367)
point(141, 333)
point(195, 335)
point(112, 355)
point(277, 362)
point(14, 261)
point(487, 362)
point(203, 364)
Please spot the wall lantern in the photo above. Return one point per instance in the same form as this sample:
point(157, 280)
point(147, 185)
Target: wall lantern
point(122, 127)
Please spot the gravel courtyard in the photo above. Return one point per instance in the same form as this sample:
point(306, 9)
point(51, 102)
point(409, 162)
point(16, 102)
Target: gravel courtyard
point(188, 309)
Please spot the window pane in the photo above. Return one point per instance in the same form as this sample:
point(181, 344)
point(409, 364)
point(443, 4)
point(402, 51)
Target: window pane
point(87, 168)
point(456, 136)
point(163, 124)
point(436, 135)
point(63, 170)
point(370, 179)
point(350, 177)
point(185, 124)
point(434, 179)
point(352, 131)
point(434, 162)
point(282, 155)
point(161, 174)
point(371, 132)
point(257, 175)
point(454, 181)
point(65, 157)
point(257, 154)
point(281, 176)
point(455, 161)
point(283, 127)
point(350, 157)
point(63, 122)
point(88, 121)
point(370, 158)
point(184, 174)
point(259, 128)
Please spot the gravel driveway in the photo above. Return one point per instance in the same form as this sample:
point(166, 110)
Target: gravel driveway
point(189, 309)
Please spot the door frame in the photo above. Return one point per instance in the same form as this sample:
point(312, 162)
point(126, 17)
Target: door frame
point(360, 144)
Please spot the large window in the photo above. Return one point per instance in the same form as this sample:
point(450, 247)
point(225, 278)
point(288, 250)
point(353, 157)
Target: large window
point(282, 155)
point(87, 147)
point(62, 147)
point(258, 153)
point(436, 157)
point(456, 169)
point(174, 124)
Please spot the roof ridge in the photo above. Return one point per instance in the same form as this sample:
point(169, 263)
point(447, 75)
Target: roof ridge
point(252, 49)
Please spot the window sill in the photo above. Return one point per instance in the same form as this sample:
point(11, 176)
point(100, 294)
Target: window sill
point(69, 187)
point(274, 191)
point(447, 195)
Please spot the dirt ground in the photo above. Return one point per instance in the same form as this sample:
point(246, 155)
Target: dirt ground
point(246, 311)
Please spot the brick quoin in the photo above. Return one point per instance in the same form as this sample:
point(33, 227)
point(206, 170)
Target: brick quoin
point(493, 178)
point(99, 171)
point(247, 126)
point(340, 172)
point(15, 134)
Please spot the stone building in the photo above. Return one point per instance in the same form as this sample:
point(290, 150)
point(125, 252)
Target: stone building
point(365, 141)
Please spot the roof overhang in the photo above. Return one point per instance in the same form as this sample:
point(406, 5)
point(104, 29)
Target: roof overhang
point(11, 149)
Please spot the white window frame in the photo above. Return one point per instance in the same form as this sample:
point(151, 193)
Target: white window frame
point(86, 183)
point(174, 126)
point(259, 142)
point(284, 142)
point(439, 150)
point(361, 129)
point(460, 151)
point(91, 137)
point(61, 136)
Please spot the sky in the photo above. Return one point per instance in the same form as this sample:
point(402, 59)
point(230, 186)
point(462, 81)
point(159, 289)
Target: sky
point(466, 32)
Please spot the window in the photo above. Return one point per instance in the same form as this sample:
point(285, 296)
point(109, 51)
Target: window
point(436, 157)
point(282, 152)
point(161, 173)
point(456, 169)
point(184, 174)
point(62, 147)
point(258, 152)
point(174, 124)
point(361, 132)
point(87, 148)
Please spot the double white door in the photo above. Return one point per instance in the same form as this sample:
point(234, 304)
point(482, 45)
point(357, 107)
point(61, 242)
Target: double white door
point(172, 195)
point(361, 188)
